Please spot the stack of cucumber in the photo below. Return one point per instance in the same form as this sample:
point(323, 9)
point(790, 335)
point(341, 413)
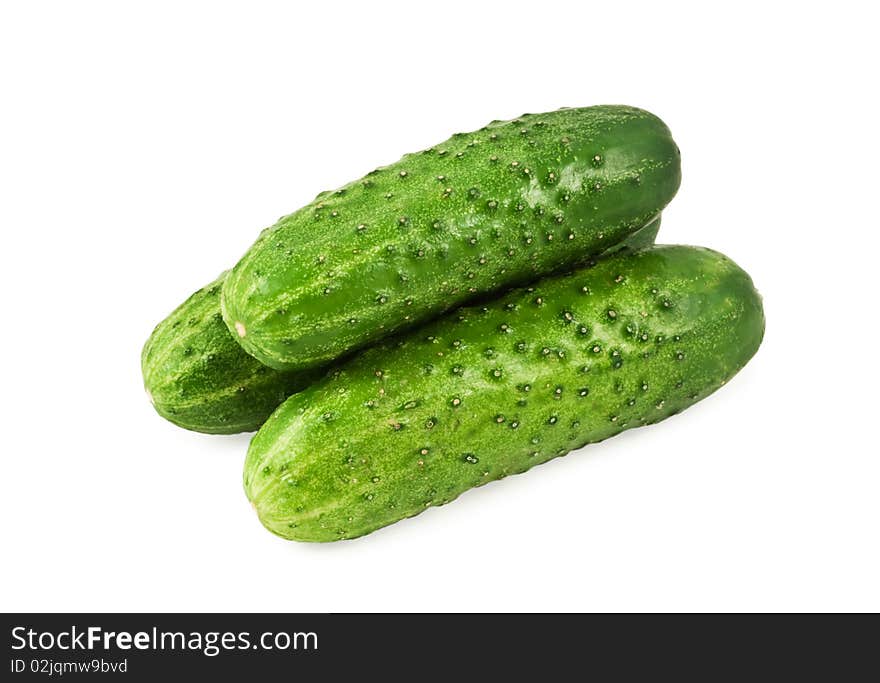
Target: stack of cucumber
point(469, 312)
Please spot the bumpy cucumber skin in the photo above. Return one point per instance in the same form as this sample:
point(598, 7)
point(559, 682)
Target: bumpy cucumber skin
point(485, 392)
point(478, 213)
point(199, 378)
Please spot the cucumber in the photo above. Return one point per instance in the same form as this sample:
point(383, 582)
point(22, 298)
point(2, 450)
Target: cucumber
point(199, 378)
point(476, 214)
point(493, 390)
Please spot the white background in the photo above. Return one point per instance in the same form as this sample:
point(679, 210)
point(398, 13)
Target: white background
point(144, 145)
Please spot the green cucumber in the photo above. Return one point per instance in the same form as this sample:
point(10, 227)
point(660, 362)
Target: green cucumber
point(489, 391)
point(199, 378)
point(476, 214)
